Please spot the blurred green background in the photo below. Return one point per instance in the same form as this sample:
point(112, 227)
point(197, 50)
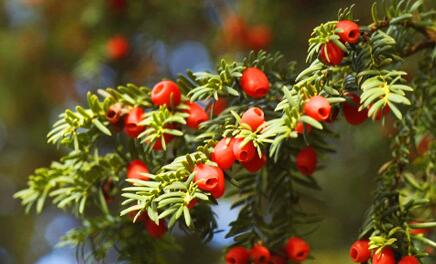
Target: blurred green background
point(53, 51)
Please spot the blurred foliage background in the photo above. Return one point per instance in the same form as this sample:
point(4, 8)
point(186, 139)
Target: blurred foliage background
point(52, 52)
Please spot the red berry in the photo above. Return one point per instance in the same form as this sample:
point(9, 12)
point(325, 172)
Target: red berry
point(253, 117)
point(254, 82)
point(244, 153)
point(258, 37)
point(359, 251)
point(386, 256)
point(260, 254)
point(141, 218)
point(135, 170)
point(219, 105)
point(158, 144)
point(382, 112)
point(301, 128)
point(131, 122)
point(333, 115)
point(277, 259)
point(207, 177)
point(166, 93)
point(255, 164)
point(223, 154)
point(409, 260)
point(234, 29)
point(306, 161)
point(297, 249)
point(192, 204)
point(156, 231)
point(331, 54)
point(417, 231)
point(351, 110)
point(117, 47)
point(349, 31)
point(197, 115)
point(237, 255)
point(218, 191)
point(318, 108)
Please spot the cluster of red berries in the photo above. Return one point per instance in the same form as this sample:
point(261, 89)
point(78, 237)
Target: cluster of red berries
point(117, 47)
point(360, 253)
point(165, 93)
point(295, 249)
point(237, 32)
point(348, 32)
point(227, 151)
point(153, 229)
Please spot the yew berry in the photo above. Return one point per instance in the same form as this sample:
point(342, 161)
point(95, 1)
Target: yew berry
point(348, 31)
point(382, 112)
point(331, 54)
point(259, 254)
point(409, 260)
point(223, 154)
point(166, 93)
point(197, 115)
point(135, 170)
point(386, 256)
point(243, 153)
point(255, 164)
point(141, 218)
point(158, 144)
point(253, 117)
point(192, 204)
point(154, 230)
point(235, 29)
point(417, 231)
point(117, 47)
point(218, 191)
point(113, 114)
point(219, 105)
point(318, 108)
point(277, 259)
point(333, 115)
point(306, 161)
point(131, 122)
point(297, 249)
point(254, 82)
point(359, 251)
point(301, 128)
point(258, 37)
point(237, 255)
point(351, 110)
point(207, 177)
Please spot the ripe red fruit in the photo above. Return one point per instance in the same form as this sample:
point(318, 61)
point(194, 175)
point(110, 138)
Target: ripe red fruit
point(255, 164)
point(254, 82)
point(158, 144)
point(131, 127)
point(349, 31)
point(258, 37)
point(113, 114)
point(141, 218)
point(156, 231)
point(117, 47)
point(318, 108)
point(297, 249)
point(237, 255)
point(192, 204)
point(276, 259)
point(417, 231)
point(244, 153)
point(301, 127)
point(386, 256)
point(409, 260)
point(197, 115)
point(218, 191)
point(223, 154)
point(166, 93)
point(331, 54)
point(260, 254)
point(234, 29)
point(207, 177)
point(359, 251)
point(218, 106)
point(135, 170)
point(351, 110)
point(382, 112)
point(253, 117)
point(306, 161)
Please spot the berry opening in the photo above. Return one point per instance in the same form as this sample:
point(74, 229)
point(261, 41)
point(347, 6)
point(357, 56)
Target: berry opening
point(354, 254)
point(258, 112)
point(158, 89)
point(243, 155)
point(323, 113)
point(111, 114)
point(301, 254)
point(211, 182)
point(353, 34)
